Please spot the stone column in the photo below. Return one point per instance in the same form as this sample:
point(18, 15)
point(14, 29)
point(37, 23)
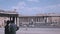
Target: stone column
point(17, 21)
point(45, 19)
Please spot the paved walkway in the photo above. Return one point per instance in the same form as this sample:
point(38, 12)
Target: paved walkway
point(39, 31)
point(35, 31)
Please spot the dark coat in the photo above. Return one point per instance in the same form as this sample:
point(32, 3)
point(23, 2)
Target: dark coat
point(13, 28)
point(6, 29)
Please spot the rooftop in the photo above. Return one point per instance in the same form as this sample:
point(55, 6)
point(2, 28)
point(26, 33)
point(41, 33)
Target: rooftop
point(8, 13)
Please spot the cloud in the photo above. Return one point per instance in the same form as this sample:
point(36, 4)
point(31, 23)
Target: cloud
point(20, 5)
point(33, 0)
point(25, 9)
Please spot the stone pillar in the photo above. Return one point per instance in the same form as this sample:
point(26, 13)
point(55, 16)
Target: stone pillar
point(17, 21)
point(14, 19)
point(45, 19)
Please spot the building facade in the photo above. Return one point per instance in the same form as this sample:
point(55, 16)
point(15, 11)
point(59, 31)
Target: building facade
point(42, 18)
point(6, 15)
point(23, 20)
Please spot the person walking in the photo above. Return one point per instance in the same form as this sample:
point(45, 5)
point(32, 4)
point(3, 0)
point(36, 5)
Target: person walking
point(7, 28)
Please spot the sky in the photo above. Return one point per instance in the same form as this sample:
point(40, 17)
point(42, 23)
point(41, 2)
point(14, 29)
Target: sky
point(31, 7)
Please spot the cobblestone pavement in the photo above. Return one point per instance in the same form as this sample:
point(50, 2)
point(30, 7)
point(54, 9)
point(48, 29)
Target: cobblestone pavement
point(35, 31)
